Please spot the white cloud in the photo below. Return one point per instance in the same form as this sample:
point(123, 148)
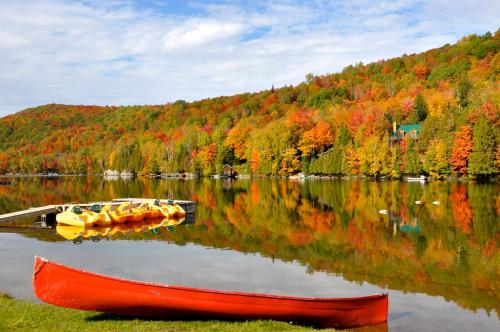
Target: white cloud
point(199, 32)
point(117, 52)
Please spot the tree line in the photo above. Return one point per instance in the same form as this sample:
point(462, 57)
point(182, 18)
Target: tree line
point(332, 124)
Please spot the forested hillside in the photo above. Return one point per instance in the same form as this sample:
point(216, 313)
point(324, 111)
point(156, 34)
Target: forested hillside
point(333, 124)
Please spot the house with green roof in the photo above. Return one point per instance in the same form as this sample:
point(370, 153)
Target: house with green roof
point(400, 132)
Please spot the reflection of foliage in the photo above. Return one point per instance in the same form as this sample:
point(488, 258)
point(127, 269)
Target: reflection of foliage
point(421, 245)
point(331, 226)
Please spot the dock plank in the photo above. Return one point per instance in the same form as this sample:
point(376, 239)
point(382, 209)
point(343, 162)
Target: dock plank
point(31, 212)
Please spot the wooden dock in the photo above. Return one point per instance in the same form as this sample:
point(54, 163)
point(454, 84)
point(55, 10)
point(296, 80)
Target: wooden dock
point(44, 211)
point(31, 212)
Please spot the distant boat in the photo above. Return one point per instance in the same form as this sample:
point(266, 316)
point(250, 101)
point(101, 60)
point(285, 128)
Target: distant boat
point(299, 176)
point(435, 202)
point(383, 211)
point(421, 178)
point(71, 288)
point(228, 176)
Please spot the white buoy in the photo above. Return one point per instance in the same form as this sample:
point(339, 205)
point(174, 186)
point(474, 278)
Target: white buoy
point(435, 202)
point(382, 211)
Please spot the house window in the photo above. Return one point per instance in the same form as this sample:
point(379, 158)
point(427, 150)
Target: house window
point(401, 134)
point(413, 134)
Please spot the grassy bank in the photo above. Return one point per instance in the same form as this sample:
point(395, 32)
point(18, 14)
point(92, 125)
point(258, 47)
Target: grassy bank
point(21, 315)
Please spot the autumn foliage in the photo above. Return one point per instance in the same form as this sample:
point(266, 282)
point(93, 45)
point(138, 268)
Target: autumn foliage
point(461, 149)
point(335, 124)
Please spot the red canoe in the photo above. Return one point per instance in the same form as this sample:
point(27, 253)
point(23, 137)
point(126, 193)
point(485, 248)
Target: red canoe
point(71, 288)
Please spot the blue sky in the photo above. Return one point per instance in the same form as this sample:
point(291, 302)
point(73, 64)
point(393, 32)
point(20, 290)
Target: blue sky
point(152, 52)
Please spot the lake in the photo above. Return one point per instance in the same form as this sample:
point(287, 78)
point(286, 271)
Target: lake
point(433, 247)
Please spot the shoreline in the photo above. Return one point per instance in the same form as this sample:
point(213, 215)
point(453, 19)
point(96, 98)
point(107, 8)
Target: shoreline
point(250, 177)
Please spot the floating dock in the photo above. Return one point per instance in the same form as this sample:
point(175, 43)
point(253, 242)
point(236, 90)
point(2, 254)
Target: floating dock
point(49, 211)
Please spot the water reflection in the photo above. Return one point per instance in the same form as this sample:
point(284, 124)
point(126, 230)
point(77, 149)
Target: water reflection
point(448, 249)
point(95, 234)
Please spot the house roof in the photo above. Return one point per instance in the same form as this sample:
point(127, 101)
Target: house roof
point(410, 229)
point(409, 127)
point(406, 128)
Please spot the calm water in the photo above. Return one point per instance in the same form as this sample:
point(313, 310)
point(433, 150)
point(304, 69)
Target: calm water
point(438, 262)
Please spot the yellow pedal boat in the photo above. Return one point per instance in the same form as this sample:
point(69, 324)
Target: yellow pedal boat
point(173, 209)
point(134, 212)
point(117, 215)
point(76, 216)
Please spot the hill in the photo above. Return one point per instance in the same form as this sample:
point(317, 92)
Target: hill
point(436, 113)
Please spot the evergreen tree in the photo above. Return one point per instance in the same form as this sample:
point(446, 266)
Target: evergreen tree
point(412, 160)
point(153, 167)
point(344, 137)
point(464, 87)
point(482, 159)
point(337, 159)
point(420, 108)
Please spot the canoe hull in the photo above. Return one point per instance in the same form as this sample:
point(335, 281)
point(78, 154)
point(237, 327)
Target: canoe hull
point(71, 288)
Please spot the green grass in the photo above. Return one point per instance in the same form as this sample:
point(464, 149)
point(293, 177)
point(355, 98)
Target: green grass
point(19, 315)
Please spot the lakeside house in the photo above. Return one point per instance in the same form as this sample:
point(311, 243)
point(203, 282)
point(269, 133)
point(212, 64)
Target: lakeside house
point(400, 132)
point(227, 171)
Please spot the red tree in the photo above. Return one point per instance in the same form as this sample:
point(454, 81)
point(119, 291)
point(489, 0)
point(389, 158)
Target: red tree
point(462, 147)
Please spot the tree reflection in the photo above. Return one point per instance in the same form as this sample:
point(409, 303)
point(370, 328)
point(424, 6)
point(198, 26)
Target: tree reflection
point(449, 248)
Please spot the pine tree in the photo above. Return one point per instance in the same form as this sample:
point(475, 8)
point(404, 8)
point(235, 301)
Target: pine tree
point(153, 167)
point(482, 159)
point(412, 160)
point(420, 108)
point(463, 89)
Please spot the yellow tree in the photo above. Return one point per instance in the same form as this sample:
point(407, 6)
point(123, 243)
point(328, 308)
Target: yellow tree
point(374, 156)
point(206, 156)
point(353, 160)
point(290, 162)
point(436, 105)
point(436, 158)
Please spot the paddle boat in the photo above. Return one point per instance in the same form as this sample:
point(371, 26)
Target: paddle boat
point(68, 287)
point(421, 178)
point(116, 214)
point(75, 215)
point(103, 215)
point(133, 211)
point(173, 209)
point(78, 233)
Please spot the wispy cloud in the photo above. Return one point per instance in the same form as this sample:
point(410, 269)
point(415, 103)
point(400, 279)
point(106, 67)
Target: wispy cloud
point(142, 52)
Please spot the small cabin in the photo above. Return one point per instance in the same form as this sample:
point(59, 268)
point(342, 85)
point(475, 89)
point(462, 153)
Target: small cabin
point(400, 132)
point(227, 170)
